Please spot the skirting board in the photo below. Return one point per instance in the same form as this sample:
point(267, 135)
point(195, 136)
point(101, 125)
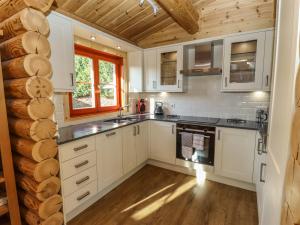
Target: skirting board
point(209, 175)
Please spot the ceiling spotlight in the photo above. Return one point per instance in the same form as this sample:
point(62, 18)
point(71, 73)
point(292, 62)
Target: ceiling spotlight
point(93, 38)
point(118, 47)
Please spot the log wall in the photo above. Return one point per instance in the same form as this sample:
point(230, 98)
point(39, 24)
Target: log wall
point(28, 89)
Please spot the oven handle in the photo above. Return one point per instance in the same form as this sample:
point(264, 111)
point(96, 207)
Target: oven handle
point(203, 135)
point(203, 131)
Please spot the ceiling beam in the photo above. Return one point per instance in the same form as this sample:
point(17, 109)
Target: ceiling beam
point(183, 12)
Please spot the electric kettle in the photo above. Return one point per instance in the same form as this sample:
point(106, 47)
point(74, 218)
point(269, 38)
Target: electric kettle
point(158, 108)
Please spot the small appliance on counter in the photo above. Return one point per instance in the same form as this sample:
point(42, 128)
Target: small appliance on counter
point(141, 106)
point(158, 108)
point(261, 115)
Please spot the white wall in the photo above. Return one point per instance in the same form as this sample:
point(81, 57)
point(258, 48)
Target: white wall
point(282, 108)
point(204, 98)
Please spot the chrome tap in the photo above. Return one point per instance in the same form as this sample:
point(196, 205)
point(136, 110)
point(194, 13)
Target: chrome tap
point(121, 109)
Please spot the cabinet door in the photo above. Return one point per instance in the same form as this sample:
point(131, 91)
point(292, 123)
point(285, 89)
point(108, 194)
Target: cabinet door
point(135, 69)
point(61, 39)
point(234, 153)
point(268, 61)
point(243, 62)
point(129, 149)
point(142, 142)
point(109, 158)
point(150, 76)
point(163, 141)
point(169, 64)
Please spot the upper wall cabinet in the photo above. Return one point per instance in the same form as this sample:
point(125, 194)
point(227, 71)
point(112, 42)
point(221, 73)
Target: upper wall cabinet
point(135, 69)
point(150, 76)
point(247, 62)
point(62, 52)
point(169, 64)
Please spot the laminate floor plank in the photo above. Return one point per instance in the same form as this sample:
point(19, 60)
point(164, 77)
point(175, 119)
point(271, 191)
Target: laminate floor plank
point(155, 196)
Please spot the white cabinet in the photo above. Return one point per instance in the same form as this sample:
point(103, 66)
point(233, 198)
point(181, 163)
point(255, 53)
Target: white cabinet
point(150, 75)
point(234, 153)
point(135, 150)
point(61, 39)
point(109, 157)
point(163, 141)
point(135, 69)
point(259, 173)
point(268, 61)
point(169, 64)
point(243, 62)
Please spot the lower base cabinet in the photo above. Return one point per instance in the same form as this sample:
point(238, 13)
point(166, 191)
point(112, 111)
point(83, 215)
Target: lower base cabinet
point(234, 153)
point(109, 158)
point(163, 141)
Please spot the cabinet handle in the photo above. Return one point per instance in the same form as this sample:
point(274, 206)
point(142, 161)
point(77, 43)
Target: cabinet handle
point(82, 180)
point(79, 198)
point(178, 83)
point(72, 79)
point(154, 84)
point(173, 129)
point(81, 164)
point(225, 81)
point(219, 135)
point(262, 165)
point(267, 80)
point(138, 129)
point(134, 130)
point(80, 148)
point(259, 146)
point(110, 134)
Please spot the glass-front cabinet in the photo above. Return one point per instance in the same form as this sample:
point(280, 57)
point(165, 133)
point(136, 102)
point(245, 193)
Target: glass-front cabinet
point(169, 64)
point(244, 62)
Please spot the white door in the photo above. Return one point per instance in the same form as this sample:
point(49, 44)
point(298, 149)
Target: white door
point(142, 142)
point(129, 149)
point(169, 64)
point(109, 158)
point(150, 76)
point(243, 62)
point(234, 153)
point(268, 61)
point(163, 141)
point(61, 39)
point(135, 69)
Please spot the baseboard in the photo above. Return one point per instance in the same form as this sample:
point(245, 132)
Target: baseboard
point(69, 216)
point(209, 175)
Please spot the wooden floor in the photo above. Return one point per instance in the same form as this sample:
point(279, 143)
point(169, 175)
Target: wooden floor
point(156, 196)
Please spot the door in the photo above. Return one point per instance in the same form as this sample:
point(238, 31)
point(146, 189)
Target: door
point(234, 153)
point(142, 142)
point(243, 62)
point(129, 148)
point(163, 141)
point(109, 158)
point(150, 76)
point(135, 69)
point(61, 38)
point(169, 64)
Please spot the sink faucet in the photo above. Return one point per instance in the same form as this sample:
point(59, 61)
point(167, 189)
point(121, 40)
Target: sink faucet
point(121, 109)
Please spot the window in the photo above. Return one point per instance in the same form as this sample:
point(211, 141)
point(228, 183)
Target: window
point(98, 82)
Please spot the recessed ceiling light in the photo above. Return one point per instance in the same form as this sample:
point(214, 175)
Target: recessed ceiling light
point(118, 47)
point(93, 38)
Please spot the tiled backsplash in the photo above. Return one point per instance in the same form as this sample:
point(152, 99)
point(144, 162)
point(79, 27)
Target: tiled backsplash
point(204, 98)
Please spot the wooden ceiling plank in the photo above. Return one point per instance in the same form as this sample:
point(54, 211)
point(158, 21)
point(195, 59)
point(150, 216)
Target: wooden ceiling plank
point(88, 7)
point(72, 6)
point(183, 13)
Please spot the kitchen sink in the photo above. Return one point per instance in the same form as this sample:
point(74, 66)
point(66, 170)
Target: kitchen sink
point(121, 120)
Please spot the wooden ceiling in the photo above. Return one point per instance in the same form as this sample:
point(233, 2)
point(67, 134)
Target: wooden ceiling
point(138, 25)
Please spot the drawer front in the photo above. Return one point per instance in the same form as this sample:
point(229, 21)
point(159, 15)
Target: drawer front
point(78, 181)
point(80, 196)
point(77, 165)
point(76, 148)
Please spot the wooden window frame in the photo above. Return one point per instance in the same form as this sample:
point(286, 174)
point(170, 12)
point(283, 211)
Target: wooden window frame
point(97, 55)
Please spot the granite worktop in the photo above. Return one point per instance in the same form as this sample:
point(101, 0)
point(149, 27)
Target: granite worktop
point(75, 132)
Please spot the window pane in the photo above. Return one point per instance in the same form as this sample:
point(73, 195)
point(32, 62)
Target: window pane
point(108, 83)
point(83, 96)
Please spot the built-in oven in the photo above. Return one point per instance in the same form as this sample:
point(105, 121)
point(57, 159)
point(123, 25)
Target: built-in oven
point(195, 143)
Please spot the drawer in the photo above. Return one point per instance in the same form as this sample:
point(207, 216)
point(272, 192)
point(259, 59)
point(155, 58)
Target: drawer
point(78, 181)
point(80, 196)
point(76, 148)
point(77, 165)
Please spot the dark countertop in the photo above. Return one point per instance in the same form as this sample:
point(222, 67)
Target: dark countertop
point(75, 132)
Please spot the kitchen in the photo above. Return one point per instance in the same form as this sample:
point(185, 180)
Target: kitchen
point(151, 112)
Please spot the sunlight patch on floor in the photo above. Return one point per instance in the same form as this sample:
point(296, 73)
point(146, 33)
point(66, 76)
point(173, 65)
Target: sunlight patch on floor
point(154, 206)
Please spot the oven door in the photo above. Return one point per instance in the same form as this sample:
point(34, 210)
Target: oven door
point(202, 148)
